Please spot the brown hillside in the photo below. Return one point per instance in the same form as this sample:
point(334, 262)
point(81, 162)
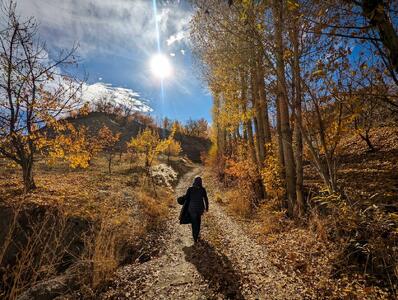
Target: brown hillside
point(367, 177)
point(191, 146)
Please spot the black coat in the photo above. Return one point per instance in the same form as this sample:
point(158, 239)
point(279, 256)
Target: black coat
point(184, 215)
point(196, 202)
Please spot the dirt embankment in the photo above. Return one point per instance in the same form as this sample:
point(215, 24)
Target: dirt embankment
point(70, 235)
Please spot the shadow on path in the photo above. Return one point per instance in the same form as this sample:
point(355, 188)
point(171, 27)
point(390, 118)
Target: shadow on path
point(216, 268)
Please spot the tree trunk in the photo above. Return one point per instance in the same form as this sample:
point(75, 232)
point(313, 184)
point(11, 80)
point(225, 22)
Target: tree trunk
point(220, 137)
point(109, 163)
point(245, 136)
point(299, 210)
point(318, 163)
point(147, 158)
point(247, 124)
point(222, 153)
point(258, 185)
point(257, 144)
point(284, 110)
point(27, 173)
point(281, 156)
point(237, 133)
point(259, 119)
point(368, 142)
point(378, 16)
point(230, 143)
point(263, 99)
point(250, 139)
point(328, 163)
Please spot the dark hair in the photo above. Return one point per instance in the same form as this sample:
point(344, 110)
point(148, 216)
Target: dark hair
point(197, 182)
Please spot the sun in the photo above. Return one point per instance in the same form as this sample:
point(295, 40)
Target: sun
point(160, 66)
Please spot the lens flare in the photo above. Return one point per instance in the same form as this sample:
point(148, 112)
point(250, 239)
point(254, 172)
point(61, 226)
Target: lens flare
point(160, 66)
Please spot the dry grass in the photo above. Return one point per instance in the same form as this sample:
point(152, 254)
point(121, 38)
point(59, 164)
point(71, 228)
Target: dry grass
point(88, 193)
point(155, 209)
point(39, 249)
point(101, 253)
point(370, 178)
point(316, 250)
point(235, 200)
point(271, 220)
point(118, 211)
point(237, 203)
point(318, 225)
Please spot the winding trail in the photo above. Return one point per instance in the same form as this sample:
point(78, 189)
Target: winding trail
point(226, 264)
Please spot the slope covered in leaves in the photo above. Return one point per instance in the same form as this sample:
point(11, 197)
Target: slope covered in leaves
point(191, 146)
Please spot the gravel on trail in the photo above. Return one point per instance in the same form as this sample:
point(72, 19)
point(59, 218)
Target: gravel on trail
point(225, 264)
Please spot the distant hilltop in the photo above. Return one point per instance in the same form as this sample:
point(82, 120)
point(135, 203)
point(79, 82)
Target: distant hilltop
point(128, 127)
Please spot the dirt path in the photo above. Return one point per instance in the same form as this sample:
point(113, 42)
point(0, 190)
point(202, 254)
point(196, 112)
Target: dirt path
point(225, 265)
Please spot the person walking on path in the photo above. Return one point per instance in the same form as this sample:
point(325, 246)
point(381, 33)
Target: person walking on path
point(198, 203)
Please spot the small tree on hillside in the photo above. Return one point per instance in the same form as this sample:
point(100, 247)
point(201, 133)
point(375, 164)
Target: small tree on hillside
point(75, 146)
point(93, 145)
point(33, 93)
point(179, 128)
point(172, 147)
point(197, 128)
point(149, 144)
point(144, 119)
point(108, 142)
point(366, 113)
point(132, 154)
point(166, 123)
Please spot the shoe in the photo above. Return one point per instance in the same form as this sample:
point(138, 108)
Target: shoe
point(198, 241)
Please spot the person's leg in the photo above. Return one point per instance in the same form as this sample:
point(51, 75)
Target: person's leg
point(195, 226)
point(199, 220)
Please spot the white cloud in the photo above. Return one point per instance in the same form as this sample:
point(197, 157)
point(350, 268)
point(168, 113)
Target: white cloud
point(121, 27)
point(117, 96)
point(176, 37)
point(181, 33)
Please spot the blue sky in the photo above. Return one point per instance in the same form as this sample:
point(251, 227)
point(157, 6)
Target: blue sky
point(117, 39)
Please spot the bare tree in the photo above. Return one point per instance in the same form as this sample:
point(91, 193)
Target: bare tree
point(33, 92)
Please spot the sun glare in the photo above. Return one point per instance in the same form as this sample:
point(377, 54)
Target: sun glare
point(160, 66)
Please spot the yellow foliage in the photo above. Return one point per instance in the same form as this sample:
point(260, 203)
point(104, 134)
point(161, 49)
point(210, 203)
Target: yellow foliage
point(212, 155)
point(170, 145)
point(107, 139)
point(73, 145)
point(238, 202)
point(292, 5)
point(173, 148)
point(271, 175)
point(245, 174)
point(148, 144)
point(318, 73)
point(84, 110)
point(272, 219)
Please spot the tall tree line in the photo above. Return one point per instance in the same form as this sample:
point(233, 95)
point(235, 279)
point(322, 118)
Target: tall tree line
point(284, 74)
